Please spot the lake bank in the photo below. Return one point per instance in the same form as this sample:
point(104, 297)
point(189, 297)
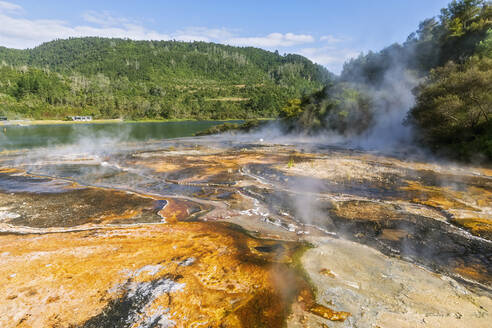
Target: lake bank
point(54, 122)
point(117, 120)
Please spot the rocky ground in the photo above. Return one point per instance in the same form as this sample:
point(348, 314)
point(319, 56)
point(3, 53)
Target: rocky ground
point(214, 233)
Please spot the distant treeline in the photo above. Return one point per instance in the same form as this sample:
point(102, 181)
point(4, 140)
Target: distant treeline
point(111, 78)
point(448, 64)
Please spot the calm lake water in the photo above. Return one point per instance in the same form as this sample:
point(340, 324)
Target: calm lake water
point(15, 137)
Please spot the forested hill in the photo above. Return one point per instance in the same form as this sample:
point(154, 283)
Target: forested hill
point(110, 78)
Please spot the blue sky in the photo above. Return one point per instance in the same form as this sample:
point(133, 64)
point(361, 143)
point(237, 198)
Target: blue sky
point(328, 32)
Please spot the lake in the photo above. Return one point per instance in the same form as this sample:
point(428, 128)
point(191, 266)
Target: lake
point(32, 136)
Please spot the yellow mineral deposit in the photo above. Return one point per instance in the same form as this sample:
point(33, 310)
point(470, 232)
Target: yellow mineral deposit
point(470, 208)
point(67, 278)
point(328, 313)
point(439, 197)
point(478, 226)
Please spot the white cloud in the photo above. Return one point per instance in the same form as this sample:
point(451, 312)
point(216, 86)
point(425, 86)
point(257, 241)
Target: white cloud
point(9, 7)
point(104, 18)
point(19, 32)
point(272, 40)
point(331, 39)
point(202, 34)
point(330, 57)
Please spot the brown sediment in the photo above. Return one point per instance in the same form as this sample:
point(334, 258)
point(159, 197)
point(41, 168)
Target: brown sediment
point(78, 207)
point(160, 166)
point(393, 234)
point(480, 196)
point(365, 210)
point(486, 172)
point(419, 166)
point(395, 201)
point(180, 209)
point(476, 272)
point(327, 272)
point(6, 152)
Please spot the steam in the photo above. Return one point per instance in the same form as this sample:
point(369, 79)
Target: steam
point(83, 147)
point(377, 124)
point(391, 98)
point(391, 103)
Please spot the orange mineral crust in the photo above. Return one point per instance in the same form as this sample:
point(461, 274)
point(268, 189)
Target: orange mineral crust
point(184, 273)
point(195, 166)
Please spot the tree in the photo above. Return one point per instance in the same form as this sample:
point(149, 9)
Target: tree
point(292, 110)
point(464, 24)
point(454, 107)
point(484, 48)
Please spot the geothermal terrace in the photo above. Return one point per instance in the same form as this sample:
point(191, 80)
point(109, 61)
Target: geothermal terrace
point(204, 232)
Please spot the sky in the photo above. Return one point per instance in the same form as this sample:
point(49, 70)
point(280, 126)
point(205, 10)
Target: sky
point(328, 32)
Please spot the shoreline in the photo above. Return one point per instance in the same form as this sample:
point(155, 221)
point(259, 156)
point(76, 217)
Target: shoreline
point(55, 122)
point(106, 121)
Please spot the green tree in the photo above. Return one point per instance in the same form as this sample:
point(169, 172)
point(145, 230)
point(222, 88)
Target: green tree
point(292, 110)
point(453, 108)
point(484, 48)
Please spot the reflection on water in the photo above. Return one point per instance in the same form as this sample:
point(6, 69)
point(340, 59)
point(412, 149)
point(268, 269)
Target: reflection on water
point(14, 137)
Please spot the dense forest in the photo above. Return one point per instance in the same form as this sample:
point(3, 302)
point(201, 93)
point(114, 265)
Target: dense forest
point(116, 78)
point(440, 79)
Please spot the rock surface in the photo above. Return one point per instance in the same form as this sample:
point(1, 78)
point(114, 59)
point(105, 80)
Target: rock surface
point(207, 232)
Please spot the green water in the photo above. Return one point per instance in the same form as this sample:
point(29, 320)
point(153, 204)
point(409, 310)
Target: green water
point(16, 137)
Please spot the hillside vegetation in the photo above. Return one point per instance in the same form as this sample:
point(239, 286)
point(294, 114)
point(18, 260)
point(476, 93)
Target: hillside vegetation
point(111, 78)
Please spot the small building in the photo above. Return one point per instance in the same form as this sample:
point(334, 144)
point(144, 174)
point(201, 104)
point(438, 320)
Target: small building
point(80, 118)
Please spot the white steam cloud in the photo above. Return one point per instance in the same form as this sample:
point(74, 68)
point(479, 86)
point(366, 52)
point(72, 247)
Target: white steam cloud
point(392, 101)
